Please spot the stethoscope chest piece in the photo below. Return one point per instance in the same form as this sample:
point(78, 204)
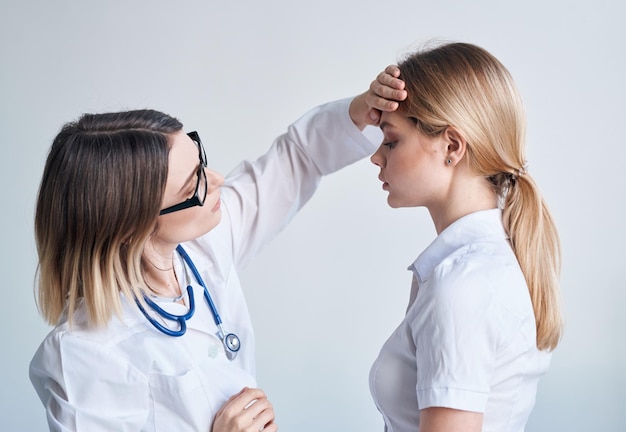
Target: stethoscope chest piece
point(232, 344)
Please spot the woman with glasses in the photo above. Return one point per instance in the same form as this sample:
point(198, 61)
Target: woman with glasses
point(140, 245)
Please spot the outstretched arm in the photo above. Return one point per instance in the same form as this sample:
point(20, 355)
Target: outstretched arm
point(261, 196)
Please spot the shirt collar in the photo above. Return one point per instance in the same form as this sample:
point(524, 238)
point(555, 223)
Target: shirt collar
point(479, 226)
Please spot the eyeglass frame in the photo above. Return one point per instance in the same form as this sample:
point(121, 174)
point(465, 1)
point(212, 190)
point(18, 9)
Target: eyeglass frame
point(195, 200)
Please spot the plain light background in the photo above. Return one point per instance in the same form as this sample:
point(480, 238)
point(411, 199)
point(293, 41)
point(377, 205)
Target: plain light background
point(328, 291)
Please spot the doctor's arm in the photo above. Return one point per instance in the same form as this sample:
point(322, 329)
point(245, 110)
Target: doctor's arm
point(262, 196)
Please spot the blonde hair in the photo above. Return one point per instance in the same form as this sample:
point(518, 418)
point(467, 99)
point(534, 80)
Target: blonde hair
point(463, 86)
point(98, 203)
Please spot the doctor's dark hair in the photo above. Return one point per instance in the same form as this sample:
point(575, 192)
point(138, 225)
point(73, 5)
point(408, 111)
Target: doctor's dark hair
point(98, 203)
point(463, 86)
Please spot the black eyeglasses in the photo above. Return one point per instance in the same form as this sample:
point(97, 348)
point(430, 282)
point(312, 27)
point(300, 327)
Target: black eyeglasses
point(201, 185)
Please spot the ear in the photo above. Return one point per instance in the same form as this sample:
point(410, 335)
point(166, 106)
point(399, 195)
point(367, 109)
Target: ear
point(456, 145)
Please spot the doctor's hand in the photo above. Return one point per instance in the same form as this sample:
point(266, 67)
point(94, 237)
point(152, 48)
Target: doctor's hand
point(383, 95)
point(247, 411)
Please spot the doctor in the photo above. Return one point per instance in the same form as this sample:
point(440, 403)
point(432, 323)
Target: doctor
point(140, 245)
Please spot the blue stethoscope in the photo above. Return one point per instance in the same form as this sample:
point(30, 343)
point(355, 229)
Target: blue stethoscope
point(231, 342)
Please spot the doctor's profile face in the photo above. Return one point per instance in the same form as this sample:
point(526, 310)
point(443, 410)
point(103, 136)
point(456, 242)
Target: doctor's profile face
point(191, 201)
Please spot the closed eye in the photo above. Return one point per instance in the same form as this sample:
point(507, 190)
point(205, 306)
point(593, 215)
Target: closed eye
point(390, 144)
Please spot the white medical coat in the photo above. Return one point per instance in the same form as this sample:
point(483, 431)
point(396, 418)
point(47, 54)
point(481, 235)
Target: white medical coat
point(129, 376)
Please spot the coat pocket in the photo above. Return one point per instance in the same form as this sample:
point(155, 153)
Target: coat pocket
point(180, 403)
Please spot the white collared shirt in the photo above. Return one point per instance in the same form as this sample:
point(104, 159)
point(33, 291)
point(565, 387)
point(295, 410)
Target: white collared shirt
point(468, 340)
point(129, 376)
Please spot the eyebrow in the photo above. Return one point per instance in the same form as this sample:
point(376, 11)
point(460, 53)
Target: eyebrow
point(385, 124)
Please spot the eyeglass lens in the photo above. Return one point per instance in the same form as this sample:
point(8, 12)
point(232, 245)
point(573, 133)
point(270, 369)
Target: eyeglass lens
point(202, 185)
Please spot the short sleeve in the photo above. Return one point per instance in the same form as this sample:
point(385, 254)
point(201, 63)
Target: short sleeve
point(455, 325)
point(84, 388)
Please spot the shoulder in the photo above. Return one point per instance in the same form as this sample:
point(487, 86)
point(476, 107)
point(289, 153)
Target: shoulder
point(78, 357)
point(80, 340)
point(78, 374)
point(479, 285)
point(478, 271)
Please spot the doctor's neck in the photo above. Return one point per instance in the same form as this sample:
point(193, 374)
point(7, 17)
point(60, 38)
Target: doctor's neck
point(158, 270)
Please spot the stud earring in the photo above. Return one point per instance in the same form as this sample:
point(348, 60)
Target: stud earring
point(449, 161)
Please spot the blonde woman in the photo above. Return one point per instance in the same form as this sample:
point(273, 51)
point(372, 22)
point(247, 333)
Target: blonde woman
point(140, 245)
point(483, 314)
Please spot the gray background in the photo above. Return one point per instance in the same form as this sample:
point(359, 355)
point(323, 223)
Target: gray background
point(325, 295)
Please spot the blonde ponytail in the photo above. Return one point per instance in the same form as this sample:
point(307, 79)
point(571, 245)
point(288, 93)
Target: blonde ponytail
point(536, 244)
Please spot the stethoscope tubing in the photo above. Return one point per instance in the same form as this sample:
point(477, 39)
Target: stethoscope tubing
point(230, 340)
point(216, 316)
point(182, 319)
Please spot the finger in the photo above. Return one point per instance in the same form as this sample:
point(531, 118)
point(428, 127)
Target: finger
point(388, 92)
point(381, 103)
point(238, 402)
point(384, 92)
point(271, 427)
point(261, 412)
point(390, 80)
point(393, 70)
point(258, 406)
point(265, 418)
point(374, 116)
